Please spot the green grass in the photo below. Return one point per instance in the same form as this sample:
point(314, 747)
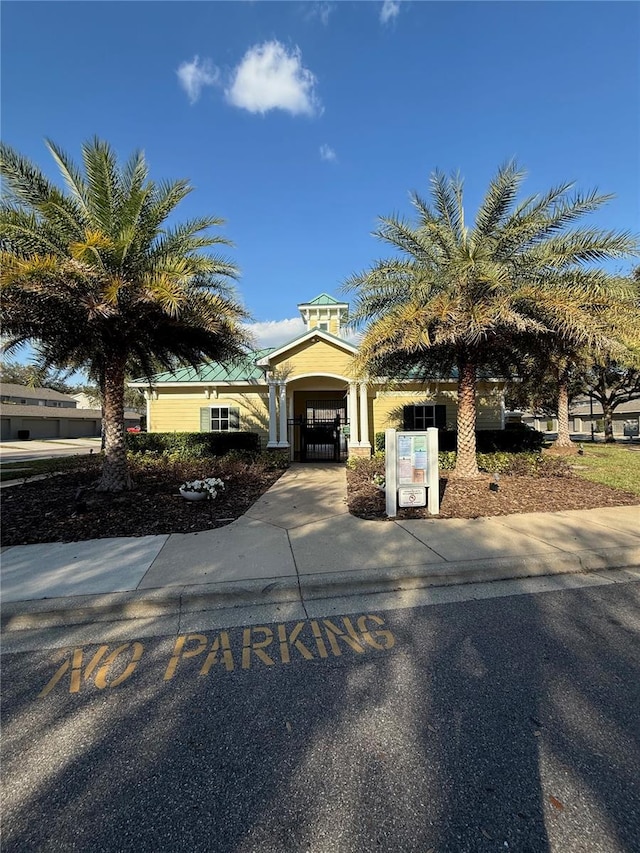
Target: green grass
point(33, 467)
point(610, 464)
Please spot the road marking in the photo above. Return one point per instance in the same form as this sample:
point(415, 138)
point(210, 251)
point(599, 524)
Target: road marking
point(241, 648)
point(101, 677)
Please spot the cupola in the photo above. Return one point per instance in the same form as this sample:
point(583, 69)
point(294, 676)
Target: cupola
point(325, 314)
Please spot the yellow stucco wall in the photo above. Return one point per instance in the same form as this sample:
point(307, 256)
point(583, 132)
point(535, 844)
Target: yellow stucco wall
point(178, 409)
point(314, 357)
point(386, 408)
point(332, 322)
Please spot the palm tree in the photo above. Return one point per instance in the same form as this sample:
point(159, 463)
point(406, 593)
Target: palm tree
point(464, 298)
point(96, 278)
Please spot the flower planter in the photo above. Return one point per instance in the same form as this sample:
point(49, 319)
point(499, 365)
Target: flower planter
point(193, 496)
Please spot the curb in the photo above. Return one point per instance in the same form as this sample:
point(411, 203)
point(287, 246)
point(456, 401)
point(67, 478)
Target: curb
point(146, 604)
point(165, 601)
point(466, 571)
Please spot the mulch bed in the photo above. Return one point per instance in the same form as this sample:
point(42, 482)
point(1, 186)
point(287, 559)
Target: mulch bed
point(48, 511)
point(51, 510)
point(474, 499)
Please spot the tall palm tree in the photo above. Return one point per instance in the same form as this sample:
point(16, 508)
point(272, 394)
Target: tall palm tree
point(464, 298)
point(96, 278)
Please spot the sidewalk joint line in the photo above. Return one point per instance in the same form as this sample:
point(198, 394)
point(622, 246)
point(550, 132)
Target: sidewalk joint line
point(428, 547)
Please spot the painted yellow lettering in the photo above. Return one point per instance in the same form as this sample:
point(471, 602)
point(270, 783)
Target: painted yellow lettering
point(76, 671)
point(179, 651)
point(292, 641)
point(386, 639)
point(221, 643)
point(249, 644)
point(333, 633)
point(101, 676)
point(322, 649)
point(54, 680)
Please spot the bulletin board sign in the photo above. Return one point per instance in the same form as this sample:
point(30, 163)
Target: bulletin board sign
point(412, 459)
point(411, 470)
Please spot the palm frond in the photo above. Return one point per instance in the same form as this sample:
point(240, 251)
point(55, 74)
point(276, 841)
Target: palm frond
point(497, 202)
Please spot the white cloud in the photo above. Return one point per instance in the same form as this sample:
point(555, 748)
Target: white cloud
point(390, 10)
point(194, 75)
point(327, 153)
point(274, 333)
point(271, 78)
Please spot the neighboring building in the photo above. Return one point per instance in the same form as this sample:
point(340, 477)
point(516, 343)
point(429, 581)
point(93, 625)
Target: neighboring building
point(42, 413)
point(585, 414)
point(302, 396)
point(22, 395)
point(625, 418)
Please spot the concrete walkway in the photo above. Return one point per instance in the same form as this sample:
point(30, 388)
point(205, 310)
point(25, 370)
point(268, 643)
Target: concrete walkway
point(298, 543)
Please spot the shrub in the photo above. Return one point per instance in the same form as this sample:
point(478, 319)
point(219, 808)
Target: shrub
point(523, 464)
point(518, 439)
point(493, 440)
point(446, 460)
point(192, 445)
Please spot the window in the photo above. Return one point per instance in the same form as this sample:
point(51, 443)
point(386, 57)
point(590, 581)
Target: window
point(220, 419)
point(324, 327)
point(423, 416)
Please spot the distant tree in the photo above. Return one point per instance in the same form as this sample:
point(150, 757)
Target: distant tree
point(555, 373)
point(35, 376)
point(611, 385)
point(97, 278)
point(467, 298)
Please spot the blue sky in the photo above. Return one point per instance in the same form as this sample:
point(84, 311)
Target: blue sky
point(299, 123)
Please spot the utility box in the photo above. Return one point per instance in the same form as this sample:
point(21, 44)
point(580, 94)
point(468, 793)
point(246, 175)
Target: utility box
point(411, 470)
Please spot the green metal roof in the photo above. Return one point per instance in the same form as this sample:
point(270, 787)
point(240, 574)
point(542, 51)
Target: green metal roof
point(241, 371)
point(323, 299)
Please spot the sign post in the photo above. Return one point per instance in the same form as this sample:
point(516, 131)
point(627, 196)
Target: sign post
point(411, 470)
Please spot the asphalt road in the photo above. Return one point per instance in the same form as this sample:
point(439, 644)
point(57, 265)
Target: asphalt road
point(509, 723)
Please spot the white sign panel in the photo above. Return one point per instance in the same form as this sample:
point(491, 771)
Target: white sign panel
point(412, 497)
point(411, 470)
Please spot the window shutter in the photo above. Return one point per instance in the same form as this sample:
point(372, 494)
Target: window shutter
point(441, 417)
point(205, 420)
point(407, 418)
point(234, 418)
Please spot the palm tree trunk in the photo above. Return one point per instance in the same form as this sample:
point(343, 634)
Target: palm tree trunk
point(115, 476)
point(563, 439)
point(466, 464)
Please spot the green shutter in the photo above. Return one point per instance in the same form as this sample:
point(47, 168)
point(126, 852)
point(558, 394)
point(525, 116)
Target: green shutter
point(234, 418)
point(205, 419)
point(407, 418)
point(441, 417)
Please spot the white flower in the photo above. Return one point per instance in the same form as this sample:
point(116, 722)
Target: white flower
point(210, 485)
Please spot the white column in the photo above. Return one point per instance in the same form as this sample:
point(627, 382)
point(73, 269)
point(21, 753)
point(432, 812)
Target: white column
point(364, 417)
point(353, 415)
point(283, 416)
point(147, 397)
point(273, 438)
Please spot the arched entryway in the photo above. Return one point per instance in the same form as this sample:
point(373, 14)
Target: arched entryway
point(319, 428)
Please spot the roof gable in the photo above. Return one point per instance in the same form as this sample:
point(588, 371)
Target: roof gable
point(318, 334)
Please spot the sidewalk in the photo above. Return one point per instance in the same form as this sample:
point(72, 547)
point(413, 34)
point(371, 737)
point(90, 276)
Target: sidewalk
point(299, 543)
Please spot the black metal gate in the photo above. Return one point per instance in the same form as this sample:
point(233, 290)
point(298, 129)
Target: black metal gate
point(321, 434)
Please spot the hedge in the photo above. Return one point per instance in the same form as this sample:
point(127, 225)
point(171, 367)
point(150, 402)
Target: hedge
point(487, 440)
point(192, 444)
